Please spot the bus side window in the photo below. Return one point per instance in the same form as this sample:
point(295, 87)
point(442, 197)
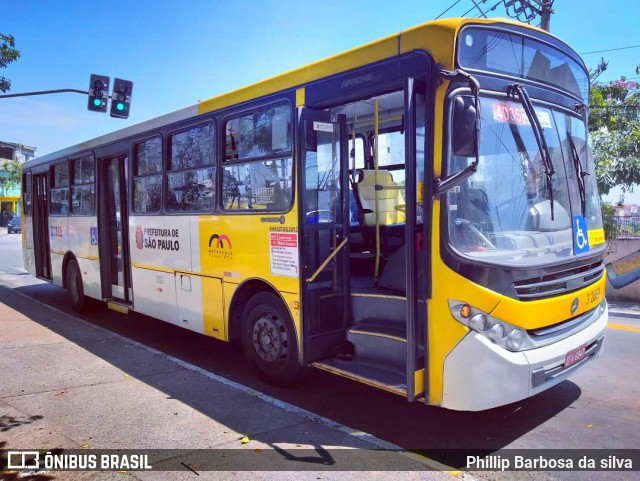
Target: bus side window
point(191, 172)
point(83, 185)
point(59, 192)
point(147, 171)
point(258, 174)
point(260, 185)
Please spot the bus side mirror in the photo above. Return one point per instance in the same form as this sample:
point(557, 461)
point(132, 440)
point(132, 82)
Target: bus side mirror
point(465, 140)
point(464, 127)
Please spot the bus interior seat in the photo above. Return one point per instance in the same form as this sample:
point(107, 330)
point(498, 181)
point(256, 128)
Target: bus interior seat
point(356, 241)
point(354, 212)
point(394, 274)
point(390, 219)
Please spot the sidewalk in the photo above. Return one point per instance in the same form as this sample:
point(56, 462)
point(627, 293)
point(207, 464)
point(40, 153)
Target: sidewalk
point(624, 309)
point(67, 384)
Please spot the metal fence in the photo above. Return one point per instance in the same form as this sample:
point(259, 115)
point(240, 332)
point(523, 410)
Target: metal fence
point(621, 226)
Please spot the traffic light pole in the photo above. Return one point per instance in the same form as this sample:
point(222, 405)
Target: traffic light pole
point(98, 95)
point(44, 92)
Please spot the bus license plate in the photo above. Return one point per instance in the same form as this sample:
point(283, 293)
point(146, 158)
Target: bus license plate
point(575, 356)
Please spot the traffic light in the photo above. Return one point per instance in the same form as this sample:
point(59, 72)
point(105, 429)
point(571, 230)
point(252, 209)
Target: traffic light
point(121, 98)
point(98, 93)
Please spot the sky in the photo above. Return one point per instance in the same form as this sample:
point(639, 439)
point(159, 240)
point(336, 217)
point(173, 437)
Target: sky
point(178, 52)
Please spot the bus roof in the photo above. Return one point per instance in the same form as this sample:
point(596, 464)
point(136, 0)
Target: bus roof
point(428, 34)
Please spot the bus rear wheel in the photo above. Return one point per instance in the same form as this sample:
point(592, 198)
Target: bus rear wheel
point(269, 339)
point(75, 289)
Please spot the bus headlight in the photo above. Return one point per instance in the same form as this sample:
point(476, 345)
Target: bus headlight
point(497, 331)
point(479, 322)
point(515, 339)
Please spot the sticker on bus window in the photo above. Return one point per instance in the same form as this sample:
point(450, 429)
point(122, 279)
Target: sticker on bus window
point(596, 237)
point(513, 114)
point(580, 235)
point(283, 253)
point(93, 233)
point(322, 126)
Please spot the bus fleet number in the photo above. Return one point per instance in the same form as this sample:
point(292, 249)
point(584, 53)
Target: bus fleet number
point(593, 296)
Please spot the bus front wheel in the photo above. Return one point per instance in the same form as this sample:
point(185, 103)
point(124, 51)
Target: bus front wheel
point(269, 339)
point(75, 289)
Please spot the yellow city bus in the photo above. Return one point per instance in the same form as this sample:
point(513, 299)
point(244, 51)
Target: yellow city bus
point(419, 214)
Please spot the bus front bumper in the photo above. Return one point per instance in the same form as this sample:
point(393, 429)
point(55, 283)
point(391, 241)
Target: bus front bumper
point(480, 375)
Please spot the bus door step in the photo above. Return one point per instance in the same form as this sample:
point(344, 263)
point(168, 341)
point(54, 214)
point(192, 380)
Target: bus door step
point(381, 343)
point(381, 378)
point(389, 308)
point(118, 306)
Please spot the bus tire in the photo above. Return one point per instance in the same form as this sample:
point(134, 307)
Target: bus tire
point(269, 339)
point(75, 289)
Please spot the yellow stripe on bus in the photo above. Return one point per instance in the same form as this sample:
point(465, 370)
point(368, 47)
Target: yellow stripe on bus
point(89, 258)
point(153, 268)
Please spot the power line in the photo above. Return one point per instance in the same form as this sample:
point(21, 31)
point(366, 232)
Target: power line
point(600, 82)
point(472, 8)
point(610, 49)
point(494, 7)
point(614, 107)
point(450, 7)
point(482, 14)
point(522, 8)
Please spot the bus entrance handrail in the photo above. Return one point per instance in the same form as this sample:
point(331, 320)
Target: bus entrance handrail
point(327, 260)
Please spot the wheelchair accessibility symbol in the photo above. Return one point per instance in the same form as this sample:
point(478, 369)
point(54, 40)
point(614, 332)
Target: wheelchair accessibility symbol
point(94, 235)
point(580, 237)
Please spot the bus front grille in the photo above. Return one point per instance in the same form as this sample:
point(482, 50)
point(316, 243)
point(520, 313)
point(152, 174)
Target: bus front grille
point(559, 283)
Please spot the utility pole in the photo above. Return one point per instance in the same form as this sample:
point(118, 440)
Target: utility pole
point(545, 14)
point(528, 10)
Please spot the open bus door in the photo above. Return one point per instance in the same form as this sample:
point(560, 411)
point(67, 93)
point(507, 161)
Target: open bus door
point(417, 237)
point(113, 239)
point(356, 325)
point(41, 246)
point(323, 152)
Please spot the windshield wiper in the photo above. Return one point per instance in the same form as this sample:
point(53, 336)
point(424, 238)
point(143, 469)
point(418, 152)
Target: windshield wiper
point(580, 173)
point(538, 133)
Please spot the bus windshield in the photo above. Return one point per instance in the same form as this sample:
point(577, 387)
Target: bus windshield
point(523, 57)
point(503, 212)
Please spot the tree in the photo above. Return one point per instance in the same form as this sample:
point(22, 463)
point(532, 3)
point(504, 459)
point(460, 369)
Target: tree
point(8, 54)
point(11, 176)
point(614, 123)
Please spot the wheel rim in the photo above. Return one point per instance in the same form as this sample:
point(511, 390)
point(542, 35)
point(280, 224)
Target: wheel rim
point(270, 339)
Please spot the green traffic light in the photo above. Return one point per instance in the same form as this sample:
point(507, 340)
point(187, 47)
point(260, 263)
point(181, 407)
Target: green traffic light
point(120, 106)
point(97, 102)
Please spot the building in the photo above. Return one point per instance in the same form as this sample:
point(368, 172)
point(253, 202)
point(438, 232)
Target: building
point(10, 195)
point(628, 210)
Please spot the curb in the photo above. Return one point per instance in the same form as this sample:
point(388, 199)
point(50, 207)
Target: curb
point(624, 313)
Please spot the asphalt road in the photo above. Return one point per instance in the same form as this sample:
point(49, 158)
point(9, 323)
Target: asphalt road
point(597, 408)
